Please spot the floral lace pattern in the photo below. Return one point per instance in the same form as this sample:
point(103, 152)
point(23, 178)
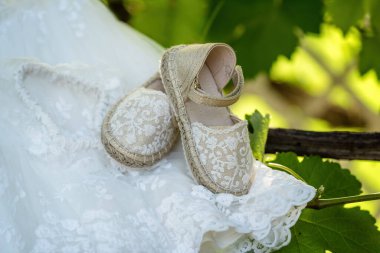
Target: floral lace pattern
point(113, 233)
point(143, 122)
point(225, 153)
point(4, 183)
point(70, 10)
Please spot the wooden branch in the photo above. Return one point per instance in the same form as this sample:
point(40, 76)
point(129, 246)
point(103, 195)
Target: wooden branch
point(339, 145)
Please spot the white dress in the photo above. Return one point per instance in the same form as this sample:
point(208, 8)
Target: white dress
point(63, 63)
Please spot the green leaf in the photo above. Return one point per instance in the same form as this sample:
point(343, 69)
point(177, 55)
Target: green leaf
point(337, 182)
point(374, 8)
point(259, 126)
point(261, 30)
point(337, 229)
point(169, 22)
point(345, 13)
point(369, 55)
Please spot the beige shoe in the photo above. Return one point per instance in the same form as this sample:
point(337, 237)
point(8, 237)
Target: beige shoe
point(216, 143)
point(140, 128)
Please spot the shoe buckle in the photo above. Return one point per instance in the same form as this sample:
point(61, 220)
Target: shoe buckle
point(196, 84)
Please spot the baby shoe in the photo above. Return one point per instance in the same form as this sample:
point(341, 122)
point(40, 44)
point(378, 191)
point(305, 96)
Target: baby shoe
point(140, 128)
point(216, 143)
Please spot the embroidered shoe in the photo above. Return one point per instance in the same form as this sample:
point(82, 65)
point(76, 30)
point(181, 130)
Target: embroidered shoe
point(140, 128)
point(216, 143)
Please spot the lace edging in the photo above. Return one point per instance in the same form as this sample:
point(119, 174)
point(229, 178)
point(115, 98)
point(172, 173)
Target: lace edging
point(72, 82)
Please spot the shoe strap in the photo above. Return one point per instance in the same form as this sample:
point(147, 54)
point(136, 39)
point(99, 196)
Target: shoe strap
point(199, 96)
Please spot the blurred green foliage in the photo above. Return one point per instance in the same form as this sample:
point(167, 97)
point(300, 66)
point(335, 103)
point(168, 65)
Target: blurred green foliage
point(262, 30)
point(259, 30)
point(346, 13)
point(169, 22)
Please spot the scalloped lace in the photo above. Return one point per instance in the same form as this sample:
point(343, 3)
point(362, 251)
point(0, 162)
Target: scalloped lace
point(262, 218)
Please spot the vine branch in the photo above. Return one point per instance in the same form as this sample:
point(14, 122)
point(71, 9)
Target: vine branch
point(338, 145)
point(323, 203)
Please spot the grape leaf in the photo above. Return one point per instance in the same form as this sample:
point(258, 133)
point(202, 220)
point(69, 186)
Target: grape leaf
point(261, 30)
point(169, 22)
point(345, 13)
point(337, 182)
point(337, 229)
point(259, 126)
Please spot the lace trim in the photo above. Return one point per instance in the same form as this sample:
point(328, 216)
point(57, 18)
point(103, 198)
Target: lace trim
point(247, 219)
point(54, 134)
point(220, 130)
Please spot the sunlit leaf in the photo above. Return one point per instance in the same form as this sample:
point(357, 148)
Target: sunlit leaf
point(259, 126)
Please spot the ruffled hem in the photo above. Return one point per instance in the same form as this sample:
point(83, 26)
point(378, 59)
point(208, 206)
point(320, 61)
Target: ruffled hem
point(259, 221)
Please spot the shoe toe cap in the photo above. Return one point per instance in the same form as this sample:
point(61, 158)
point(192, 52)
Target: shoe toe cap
point(225, 156)
point(142, 124)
